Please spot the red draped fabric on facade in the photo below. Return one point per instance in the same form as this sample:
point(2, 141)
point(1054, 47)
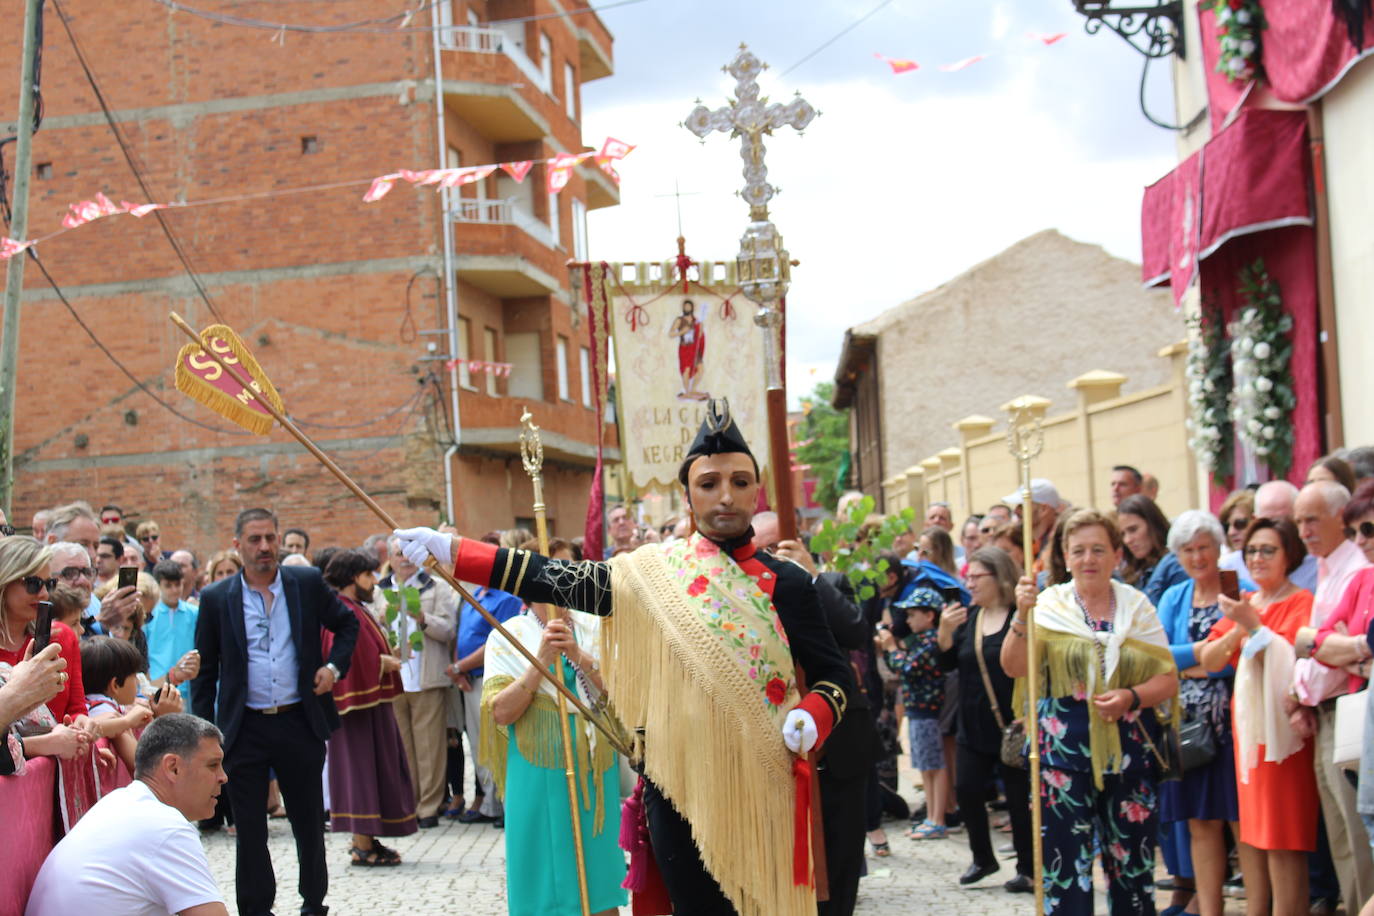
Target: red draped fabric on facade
point(1308, 48)
point(1243, 197)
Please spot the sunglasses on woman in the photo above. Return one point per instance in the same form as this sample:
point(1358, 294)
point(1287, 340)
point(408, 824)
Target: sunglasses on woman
point(35, 584)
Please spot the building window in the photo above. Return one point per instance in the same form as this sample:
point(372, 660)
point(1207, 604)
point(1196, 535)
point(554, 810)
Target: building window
point(527, 372)
point(561, 365)
point(585, 365)
point(554, 222)
point(473, 19)
point(310, 145)
point(579, 227)
point(546, 60)
point(489, 349)
point(452, 158)
point(464, 354)
point(446, 36)
point(570, 90)
point(43, 171)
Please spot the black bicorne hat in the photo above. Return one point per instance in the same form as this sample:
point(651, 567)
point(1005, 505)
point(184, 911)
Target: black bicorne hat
point(718, 435)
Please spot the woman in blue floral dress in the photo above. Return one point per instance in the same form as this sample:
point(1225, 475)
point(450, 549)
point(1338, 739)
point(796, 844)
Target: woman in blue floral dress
point(1105, 667)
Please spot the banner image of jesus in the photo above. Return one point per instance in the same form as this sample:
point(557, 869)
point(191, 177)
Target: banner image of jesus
point(691, 350)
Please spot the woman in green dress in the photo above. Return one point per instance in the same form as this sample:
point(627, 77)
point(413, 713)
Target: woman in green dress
point(522, 745)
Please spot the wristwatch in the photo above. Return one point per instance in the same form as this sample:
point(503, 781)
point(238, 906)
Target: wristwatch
point(333, 669)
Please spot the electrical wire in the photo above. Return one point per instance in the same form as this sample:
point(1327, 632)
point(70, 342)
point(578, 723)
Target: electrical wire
point(133, 166)
point(836, 37)
point(38, 262)
point(390, 413)
point(379, 25)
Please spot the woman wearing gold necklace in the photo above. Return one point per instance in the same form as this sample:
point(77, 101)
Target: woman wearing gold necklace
point(1106, 675)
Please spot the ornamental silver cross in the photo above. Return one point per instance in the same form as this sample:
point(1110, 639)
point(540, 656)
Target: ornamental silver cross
point(750, 117)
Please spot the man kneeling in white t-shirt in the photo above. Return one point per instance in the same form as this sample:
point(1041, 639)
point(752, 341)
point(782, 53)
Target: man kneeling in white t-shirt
point(137, 851)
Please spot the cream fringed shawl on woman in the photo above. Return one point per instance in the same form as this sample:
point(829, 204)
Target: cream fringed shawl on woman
point(1073, 657)
point(537, 734)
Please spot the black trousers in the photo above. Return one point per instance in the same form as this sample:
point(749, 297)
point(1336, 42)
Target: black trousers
point(844, 780)
point(286, 744)
point(976, 771)
point(692, 889)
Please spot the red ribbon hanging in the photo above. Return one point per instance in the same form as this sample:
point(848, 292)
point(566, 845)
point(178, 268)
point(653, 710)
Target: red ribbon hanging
point(636, 315)
point(801, 825)
point(727, 311)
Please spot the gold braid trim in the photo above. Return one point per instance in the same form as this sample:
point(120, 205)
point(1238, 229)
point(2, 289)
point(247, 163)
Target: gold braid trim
point(1066, 664)
point(710, 745)
point(539, 740)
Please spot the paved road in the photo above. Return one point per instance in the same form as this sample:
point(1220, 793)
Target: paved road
point(460, 869)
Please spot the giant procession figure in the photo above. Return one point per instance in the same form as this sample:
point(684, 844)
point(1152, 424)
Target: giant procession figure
point(705, 646)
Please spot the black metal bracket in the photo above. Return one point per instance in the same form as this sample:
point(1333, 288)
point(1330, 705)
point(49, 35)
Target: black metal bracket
point(1155, 31)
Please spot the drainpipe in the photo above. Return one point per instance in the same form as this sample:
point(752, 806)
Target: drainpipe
point(450, 285)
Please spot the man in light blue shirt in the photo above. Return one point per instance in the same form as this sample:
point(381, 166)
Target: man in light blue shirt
point(171, 633)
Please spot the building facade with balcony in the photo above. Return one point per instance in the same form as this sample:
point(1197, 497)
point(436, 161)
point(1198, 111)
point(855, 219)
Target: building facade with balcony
point(356, 311)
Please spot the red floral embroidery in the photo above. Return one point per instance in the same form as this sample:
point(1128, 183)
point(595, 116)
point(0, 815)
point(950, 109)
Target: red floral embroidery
point(697, 586)
point(1135, 811)
point(776, 691)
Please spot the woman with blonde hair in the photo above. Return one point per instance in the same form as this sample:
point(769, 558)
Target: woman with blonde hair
point(24, 583)
point(223, 564)
point(1106, 678)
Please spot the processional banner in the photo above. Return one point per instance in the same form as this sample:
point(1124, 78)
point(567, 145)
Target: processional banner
point(673, 351)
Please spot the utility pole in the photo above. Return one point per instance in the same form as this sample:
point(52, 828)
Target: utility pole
point(14, 275)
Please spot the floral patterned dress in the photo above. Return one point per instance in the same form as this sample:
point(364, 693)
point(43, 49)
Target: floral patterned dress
point(1079, 819)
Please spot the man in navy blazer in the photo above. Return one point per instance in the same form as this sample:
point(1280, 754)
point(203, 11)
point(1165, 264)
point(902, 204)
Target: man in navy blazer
point(263, 681)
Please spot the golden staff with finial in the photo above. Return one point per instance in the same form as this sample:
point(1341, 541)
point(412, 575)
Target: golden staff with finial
point(1026, 439)
point(532, 457)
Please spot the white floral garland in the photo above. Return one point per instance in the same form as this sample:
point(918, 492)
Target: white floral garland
point(1263, 393)
point(1208, 420)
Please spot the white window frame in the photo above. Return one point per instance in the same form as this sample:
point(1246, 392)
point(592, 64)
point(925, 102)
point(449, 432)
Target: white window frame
point(585, 364)
point(555, 229)
point(546, 59)
point(570, 90)
point(579, 228)
point(489, 348)
point(561, 366)
point(464, 354)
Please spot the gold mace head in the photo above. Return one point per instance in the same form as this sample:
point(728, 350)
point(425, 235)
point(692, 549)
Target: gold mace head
point(531, 448)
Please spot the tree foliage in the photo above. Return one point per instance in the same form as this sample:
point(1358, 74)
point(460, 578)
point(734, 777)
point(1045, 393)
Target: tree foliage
point(824, 437)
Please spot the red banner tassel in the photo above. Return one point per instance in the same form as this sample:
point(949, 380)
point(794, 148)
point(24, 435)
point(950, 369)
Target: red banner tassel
point(801, 828)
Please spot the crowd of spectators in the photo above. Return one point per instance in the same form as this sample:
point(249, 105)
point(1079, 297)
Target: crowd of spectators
point(1239, 631)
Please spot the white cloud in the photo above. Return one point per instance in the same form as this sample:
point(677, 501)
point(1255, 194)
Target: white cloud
point(895, 189)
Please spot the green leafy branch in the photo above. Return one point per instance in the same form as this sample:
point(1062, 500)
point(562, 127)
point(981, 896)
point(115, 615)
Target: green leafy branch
point(852, 547)
point(411, 596)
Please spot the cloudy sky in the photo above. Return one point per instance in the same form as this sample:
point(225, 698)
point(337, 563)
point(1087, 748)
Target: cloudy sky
point(905, 180)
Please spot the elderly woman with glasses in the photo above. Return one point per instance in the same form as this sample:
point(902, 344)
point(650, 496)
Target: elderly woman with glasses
point(24, 583)
point(1277, 792)
point(1205, 799)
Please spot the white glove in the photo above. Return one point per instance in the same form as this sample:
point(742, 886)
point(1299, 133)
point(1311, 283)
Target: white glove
point(419, 544)
point(799, 731)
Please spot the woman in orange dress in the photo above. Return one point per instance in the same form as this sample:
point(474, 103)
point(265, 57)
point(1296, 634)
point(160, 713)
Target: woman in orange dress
point(1277, 790)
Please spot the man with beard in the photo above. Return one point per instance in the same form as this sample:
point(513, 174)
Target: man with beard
point(703, 645)
point(263, 681)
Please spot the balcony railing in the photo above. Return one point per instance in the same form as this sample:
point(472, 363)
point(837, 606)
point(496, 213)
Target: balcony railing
point(494, 41)
point(502, 213)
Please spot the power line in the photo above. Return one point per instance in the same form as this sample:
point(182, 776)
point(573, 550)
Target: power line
point(834, 38)
point(38, 262)
point(133, 166)
point(379, 25)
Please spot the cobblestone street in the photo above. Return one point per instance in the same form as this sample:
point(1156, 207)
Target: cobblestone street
point(460, 869)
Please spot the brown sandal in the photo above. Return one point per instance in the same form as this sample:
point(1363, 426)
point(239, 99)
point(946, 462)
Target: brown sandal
point(373, 858)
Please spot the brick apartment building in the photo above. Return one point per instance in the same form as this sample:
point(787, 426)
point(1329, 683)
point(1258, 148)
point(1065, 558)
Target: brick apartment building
point(344, 303)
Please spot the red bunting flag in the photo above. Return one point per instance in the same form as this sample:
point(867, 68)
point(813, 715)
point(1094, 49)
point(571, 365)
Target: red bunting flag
point(962, 64)
point(517, 170)
point(898, 65)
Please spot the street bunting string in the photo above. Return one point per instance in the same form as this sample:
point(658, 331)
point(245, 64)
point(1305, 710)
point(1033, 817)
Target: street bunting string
point(907, 65)
point(481, 365)
point(560, 169)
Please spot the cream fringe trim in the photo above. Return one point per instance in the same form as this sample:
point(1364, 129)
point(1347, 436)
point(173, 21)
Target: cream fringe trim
point(538, 739)
point(1069, 663)
point(711, 746)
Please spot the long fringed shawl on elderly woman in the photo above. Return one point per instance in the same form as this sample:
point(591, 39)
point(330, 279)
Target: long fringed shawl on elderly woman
point(1073, 659)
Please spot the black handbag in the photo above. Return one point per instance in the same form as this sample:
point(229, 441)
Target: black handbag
point(1197, 744)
